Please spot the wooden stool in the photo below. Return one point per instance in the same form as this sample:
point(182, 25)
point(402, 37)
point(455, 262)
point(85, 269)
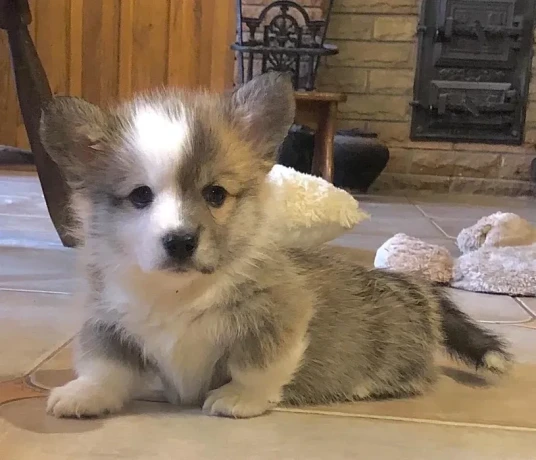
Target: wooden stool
point(319, 110)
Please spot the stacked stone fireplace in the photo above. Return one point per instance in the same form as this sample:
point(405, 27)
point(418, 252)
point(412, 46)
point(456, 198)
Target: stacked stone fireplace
point(379, 42)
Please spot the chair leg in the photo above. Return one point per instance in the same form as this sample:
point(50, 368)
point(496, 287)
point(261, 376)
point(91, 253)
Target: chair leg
point(33, 92)
point(323, 154)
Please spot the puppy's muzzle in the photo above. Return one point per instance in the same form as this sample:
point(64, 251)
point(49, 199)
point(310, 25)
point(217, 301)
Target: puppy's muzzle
point(180, 245)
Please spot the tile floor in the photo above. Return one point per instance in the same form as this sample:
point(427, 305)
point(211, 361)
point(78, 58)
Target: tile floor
point(466, 416)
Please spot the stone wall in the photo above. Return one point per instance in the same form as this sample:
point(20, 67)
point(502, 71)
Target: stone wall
point(376, 67)
point(252, 8)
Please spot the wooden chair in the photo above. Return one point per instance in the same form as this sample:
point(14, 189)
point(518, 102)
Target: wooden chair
point(33, 92)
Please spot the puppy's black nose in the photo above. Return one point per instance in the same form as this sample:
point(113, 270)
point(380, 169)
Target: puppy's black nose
point(180, 245)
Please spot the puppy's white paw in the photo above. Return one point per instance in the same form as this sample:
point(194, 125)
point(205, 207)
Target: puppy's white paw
point(83, 398)
point(233, 400)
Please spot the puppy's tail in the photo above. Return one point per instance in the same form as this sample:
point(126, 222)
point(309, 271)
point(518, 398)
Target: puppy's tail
point(467, 341)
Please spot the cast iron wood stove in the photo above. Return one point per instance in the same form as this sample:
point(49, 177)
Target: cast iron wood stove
point(473, 70)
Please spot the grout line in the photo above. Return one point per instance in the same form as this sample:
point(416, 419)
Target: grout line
point(531, 314)
point(433, 222)
point(43, 361)
point(48, 358)
point(20, 389)
point(406, 419)
point(35, 291)
point(420, 209)
point(526, 325)
point(502, 322)
point(49, 354)
point(440, 229)
point(38, 216)
point(4, 246)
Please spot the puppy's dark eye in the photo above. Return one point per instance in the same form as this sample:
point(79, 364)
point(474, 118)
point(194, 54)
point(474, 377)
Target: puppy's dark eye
point(141, 197)
point(215, 195)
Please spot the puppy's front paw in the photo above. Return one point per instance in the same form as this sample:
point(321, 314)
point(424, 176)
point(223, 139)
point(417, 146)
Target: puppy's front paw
point(233, 400)
point(83, 398)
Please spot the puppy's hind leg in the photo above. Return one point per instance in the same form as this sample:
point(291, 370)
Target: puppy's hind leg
point(108, 367)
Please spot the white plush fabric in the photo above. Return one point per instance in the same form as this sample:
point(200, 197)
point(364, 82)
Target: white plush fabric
point(404, 253)
point(506, 270)
point(308, 211)
point(497, 230)
point(500, 257)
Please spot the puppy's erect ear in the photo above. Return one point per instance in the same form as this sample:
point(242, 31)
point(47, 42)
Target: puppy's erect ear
point(72, 131)
point(263, 110)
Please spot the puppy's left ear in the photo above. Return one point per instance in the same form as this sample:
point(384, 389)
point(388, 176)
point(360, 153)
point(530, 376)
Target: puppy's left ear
point(263, 111)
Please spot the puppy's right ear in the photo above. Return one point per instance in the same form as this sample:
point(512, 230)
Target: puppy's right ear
point(72, 131)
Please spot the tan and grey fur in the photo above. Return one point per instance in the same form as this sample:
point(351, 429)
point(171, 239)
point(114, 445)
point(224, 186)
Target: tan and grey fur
point(242, 324)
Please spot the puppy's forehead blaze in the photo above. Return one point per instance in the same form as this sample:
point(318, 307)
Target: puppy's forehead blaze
point(160, 133)
point(215, 153)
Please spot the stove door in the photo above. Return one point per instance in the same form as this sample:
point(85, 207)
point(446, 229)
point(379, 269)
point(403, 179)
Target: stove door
point(473, 70)
point(477, 33)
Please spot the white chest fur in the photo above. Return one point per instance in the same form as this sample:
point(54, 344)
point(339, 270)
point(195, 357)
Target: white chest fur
point(183, 335)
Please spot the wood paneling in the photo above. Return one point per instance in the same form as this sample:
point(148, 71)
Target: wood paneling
point(107, 50)
point(100, 38)
point(149, 43)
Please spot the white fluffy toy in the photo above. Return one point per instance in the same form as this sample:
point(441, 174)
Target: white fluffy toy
point(498, 230)
point(410, 255)
point(499, 257)
point(307, 211)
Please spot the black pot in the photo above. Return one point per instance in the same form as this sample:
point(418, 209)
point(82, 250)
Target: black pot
point(359, 158)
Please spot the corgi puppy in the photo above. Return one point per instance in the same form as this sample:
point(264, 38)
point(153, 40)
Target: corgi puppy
point(186, 280)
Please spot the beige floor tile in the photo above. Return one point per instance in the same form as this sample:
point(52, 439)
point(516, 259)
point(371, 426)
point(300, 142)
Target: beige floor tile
point(55, 371)
point(456, 211)
point(38, 269)
point(14, 390)
point(391, 210)
point(475, 208)
point(370, 242)
point(450, 244)
point(385, 199)
point(28, 231)
point(452, 227)
point(522, 342)
point(473, 200)
point(154, 431)
point(529, 303)
point(489, 308)
point(18, 183)
point(419, 227)
point(32, 326)
point(29, 205)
